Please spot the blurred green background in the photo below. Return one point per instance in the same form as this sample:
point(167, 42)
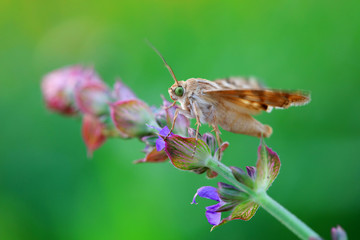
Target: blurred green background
point(50, 190)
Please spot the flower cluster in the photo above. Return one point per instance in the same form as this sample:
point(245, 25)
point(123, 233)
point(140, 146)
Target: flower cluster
point(235, 200)
point(117, 112)
point(107, 112)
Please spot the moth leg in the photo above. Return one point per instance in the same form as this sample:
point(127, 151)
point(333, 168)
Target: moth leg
point(217, 134)
point(173, 123)
point(170, 106)
point(198, 124)
point(218, 138)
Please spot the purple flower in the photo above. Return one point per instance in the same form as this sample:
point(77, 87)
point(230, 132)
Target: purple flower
point(163, 132)
point(229, 198)
point(155, 145)
point(160, 143)
point(213, 217)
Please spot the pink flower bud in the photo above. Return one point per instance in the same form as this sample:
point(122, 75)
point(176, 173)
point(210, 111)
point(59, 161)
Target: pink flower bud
point(58, 87)
point(131, 117)
point(122, 92)
point(92, 98)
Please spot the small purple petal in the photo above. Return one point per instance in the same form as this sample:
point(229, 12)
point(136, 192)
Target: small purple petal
point(214, 218)
point(165, 132)
point(160, 144)
point(207, 192)
point(213, 208)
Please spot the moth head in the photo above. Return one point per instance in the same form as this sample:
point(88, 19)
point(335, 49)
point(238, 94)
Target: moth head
point(177, 90)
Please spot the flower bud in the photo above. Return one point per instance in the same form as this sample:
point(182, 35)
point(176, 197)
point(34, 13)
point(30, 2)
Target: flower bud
point(242, 177)
point(229, 193)
point(122, 92)
point(187, 154)
point(251, 171)
point(338, 233)
point(131, 117)
point(181, 152)
point(229, 198)
point(93, 98)
point(58, 87)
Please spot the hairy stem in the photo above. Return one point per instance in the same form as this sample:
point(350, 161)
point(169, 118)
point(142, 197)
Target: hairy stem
point(293, 223)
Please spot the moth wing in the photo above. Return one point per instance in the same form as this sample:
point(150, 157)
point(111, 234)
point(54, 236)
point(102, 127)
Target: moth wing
point(223, 104)
point(261, 99)
point(239, 83)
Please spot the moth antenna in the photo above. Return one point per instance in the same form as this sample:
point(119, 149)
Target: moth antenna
point(166, 65)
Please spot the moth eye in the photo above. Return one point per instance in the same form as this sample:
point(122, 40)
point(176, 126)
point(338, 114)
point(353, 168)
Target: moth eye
point(179, 91)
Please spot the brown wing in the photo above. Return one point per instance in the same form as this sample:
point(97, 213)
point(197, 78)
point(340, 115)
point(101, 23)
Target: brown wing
point(261, 99)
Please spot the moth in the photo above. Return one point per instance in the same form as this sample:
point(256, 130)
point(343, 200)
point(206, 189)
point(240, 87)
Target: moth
point(229, 103)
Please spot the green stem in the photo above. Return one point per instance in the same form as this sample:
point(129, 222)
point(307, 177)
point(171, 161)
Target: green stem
point(293, 223)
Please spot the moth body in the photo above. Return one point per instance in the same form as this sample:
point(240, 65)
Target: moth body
point(231, 114)
point(229, 103)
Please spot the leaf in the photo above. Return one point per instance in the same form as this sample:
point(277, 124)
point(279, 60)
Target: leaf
point(154, 156)
point(92, 133)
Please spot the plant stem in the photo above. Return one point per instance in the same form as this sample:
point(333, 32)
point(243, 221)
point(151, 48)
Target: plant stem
point(293, 223)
